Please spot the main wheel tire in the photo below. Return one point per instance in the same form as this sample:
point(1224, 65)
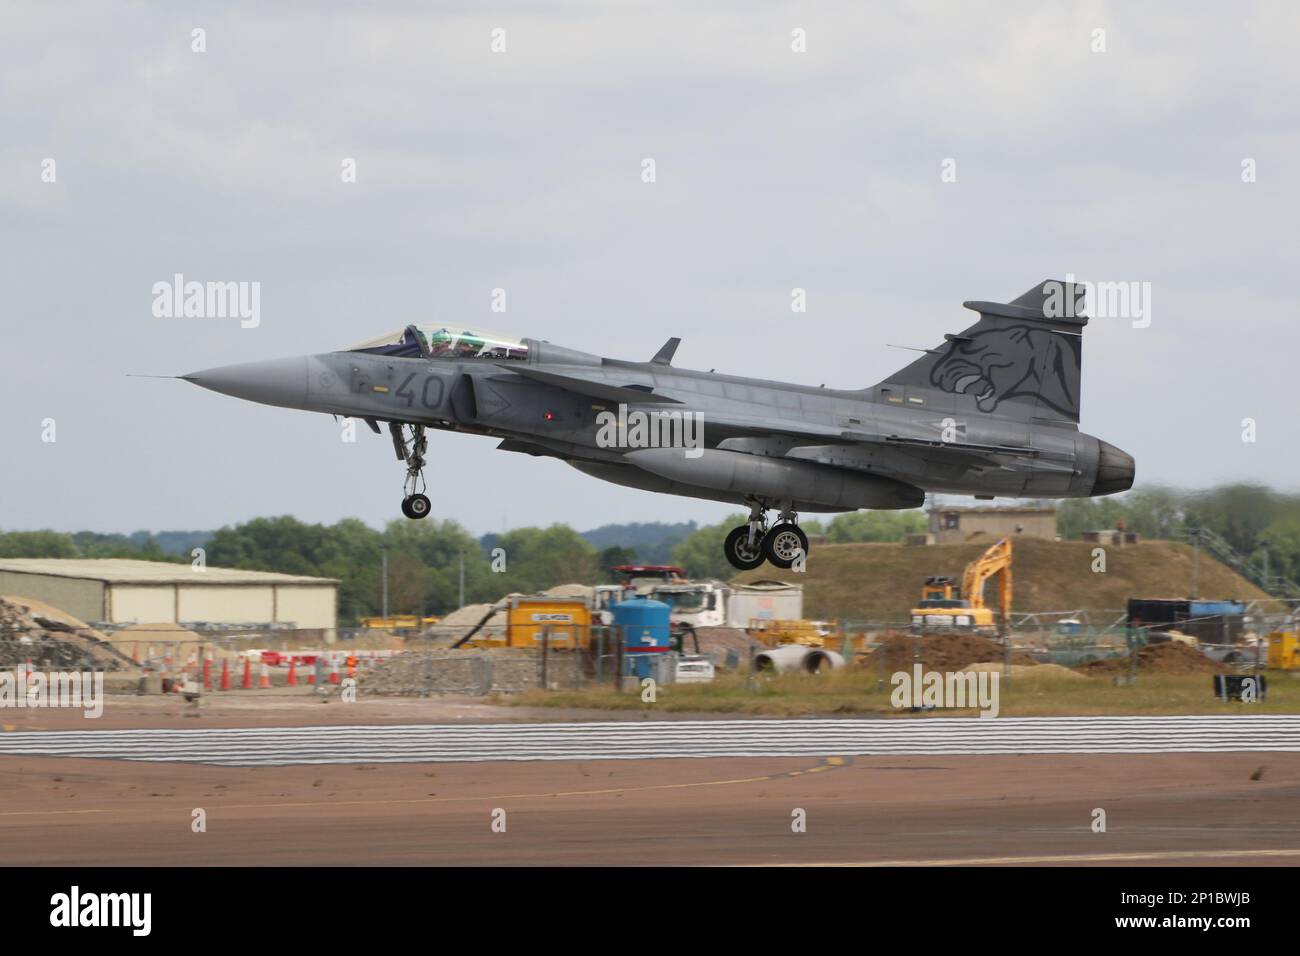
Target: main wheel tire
point(784, 545)
point(738, 552)
point(406, 507)
point(418, 506)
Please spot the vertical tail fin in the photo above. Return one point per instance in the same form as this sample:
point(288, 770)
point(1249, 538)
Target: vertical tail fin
point(1021, 359)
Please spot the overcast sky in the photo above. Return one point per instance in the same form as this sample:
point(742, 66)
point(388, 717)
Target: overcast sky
point(522, 170)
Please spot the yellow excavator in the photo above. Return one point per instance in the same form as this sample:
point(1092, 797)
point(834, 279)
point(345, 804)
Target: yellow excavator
point(946, 607)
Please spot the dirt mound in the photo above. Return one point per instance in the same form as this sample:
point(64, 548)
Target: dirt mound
point(39, 611)
point(939, 652)
point(154, 632)
point(584, 591)
point(1166, 658)
point(36, 632)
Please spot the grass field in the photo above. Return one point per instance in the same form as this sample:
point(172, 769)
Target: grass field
point(880, 582)
point(863, 692)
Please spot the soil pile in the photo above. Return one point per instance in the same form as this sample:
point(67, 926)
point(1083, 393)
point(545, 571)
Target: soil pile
point(1166, 658)
point(50, 639)
point(939, 652)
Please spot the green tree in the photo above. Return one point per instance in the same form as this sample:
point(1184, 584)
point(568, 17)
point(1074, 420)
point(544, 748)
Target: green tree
point(439, 547)
point(1239, 513)
point(1153, 512)
point(37, 544)
point(612, 557)
point(700, 554)
point(857, 526)
point(540, 558)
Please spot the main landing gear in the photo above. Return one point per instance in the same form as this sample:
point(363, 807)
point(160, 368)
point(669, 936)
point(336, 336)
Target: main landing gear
point(415, 504)
point(750, 544)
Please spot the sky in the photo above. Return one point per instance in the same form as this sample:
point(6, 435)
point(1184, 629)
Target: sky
point(907, 158)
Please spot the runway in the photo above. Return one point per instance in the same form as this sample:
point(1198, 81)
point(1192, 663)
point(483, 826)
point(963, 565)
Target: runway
point(1216, 809)
point(652, 740)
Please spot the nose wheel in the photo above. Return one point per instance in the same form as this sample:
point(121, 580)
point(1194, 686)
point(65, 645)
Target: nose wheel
point(415, 504)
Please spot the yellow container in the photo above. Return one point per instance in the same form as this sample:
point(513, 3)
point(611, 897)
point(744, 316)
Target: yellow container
point(569, 621)
point(1284, 650)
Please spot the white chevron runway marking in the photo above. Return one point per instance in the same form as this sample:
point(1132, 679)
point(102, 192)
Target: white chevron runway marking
point(626, 740)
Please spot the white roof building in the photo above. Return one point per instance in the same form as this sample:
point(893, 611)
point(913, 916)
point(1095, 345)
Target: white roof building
point(119, 591)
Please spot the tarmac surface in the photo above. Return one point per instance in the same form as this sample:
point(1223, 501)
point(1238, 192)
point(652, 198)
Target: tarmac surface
point(1161, 809)
point(623, 740)
point(1165, 809)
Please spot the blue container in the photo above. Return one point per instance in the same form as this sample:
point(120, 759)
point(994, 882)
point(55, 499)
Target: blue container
point(643, 622)
point(1213, 608)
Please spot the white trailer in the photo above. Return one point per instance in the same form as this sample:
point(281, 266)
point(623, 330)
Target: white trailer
point(764, 601)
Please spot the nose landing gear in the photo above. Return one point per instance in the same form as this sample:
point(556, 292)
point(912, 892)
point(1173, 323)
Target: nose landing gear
point(415, 504)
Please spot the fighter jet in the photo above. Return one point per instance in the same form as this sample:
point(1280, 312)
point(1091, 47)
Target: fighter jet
point(992, 411)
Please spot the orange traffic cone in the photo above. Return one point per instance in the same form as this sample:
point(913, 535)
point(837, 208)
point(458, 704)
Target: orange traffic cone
point(293, 674)
point(334, 669)
point(264, 681)
point(225, 675)
point(352, 665)
point(29, 669)
point(248, 674)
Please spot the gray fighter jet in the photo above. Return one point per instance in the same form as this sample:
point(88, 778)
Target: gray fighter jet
point(993, 411)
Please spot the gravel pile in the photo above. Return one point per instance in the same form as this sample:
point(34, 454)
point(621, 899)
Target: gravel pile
point(473, 672)
point(52, 644)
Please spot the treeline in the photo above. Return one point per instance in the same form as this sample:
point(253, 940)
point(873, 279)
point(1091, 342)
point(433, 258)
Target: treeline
point(1259, 523)
point(425, 558)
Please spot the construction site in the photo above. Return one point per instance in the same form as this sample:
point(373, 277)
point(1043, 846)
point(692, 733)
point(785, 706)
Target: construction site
point(712, 702)
point(1037, 607)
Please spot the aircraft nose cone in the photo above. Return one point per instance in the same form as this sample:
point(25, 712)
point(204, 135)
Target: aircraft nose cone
point(1115, 470)
point(274, 382)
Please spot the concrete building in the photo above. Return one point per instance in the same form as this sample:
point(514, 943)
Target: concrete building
point(127, 592)
point(959, 525)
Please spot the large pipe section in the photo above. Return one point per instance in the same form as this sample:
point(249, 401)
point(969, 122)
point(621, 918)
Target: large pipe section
point(793, 658)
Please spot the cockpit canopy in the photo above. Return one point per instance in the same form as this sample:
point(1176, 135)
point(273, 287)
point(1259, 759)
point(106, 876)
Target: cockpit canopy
point(445, 341)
